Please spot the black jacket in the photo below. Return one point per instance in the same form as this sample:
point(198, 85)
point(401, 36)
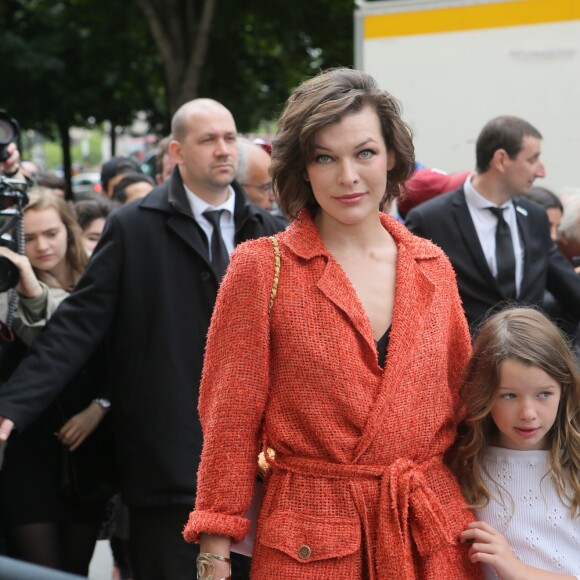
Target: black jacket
point(148, 292)
point(446, 221)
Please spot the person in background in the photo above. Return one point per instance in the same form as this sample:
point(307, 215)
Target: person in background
point(147, 295)
point(164, 160)
point(518, 458)
point(253, 173)
point(40, 523)
point(91, 215)
point(427, 183)
point(30, 170)
point(51, 181)
point(553, 206)
point(555, 212)
point(569, 231)
point(113, 170)
point(132, 186)
point(497, 240)
point(342, 364)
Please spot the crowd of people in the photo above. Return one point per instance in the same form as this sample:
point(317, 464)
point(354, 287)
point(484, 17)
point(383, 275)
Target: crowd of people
point(402, 344)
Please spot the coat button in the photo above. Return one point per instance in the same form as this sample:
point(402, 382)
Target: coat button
point(205, 275)
point(304, 552)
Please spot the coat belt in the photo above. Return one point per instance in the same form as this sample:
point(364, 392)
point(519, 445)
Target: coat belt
point(409, 512)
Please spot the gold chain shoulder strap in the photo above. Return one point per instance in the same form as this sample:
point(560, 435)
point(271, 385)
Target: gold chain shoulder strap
point(274, 241)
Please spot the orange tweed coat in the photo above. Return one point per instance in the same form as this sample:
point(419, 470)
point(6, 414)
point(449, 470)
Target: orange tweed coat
point(358, 488)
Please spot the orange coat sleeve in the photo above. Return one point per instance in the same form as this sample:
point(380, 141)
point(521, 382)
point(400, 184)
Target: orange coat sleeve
point(233, 394)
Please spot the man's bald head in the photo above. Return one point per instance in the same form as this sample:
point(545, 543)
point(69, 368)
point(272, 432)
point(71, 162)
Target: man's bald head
point(179, 122)
point(204, 147)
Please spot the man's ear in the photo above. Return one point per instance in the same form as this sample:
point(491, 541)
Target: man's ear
point(175, 149)
point(499, 160)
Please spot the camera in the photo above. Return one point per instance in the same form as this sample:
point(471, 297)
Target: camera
point(13, 199)
point(9, 130)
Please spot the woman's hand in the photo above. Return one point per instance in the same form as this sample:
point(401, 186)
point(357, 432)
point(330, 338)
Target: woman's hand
point(28, 286)
point(80, 426)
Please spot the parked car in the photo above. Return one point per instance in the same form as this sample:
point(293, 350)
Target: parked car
point(86, 185)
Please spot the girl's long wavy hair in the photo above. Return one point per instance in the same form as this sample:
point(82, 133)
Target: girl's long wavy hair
point(76, 257)
point(323, 100)
point(529, 337)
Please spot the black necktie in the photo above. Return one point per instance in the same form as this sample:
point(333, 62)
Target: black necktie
point(219, 254)
point(504, 255)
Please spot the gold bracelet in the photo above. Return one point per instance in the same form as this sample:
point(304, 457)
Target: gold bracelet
point(206, 567)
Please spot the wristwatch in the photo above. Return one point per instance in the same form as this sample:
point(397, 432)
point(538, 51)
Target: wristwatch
point(105, 404)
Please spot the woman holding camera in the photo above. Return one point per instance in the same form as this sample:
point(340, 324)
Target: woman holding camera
point(41, 524)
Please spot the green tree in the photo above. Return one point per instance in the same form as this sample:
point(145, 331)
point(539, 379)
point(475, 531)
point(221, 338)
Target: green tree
point(76, 62)
point(70, 63)
point(247, 54)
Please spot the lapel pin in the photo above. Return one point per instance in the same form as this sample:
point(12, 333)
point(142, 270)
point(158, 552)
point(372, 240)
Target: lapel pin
point(522, 210)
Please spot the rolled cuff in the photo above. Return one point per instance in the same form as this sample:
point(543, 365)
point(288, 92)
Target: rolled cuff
point(202, 522)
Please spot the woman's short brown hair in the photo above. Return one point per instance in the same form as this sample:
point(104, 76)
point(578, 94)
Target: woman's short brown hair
point(320, 101)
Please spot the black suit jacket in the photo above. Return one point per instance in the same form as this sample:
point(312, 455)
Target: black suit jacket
point(148, 292)
point(446, 221)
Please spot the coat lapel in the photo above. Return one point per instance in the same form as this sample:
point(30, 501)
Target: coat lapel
point(465, 226)
point(413, 297)
point(170, 198)
point(344, 297)
point(302, 239)
point(187, 229)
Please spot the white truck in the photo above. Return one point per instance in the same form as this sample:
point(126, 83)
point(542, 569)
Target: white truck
point(455, 64)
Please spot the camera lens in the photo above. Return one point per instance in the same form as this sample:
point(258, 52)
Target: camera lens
point(7, 133)
point(8, 128)
point(9, 274)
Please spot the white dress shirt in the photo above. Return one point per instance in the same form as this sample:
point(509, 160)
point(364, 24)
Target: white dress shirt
point(486, 224)
point(227, 225)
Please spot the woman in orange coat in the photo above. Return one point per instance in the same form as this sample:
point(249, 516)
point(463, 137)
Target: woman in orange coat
point(351, 377)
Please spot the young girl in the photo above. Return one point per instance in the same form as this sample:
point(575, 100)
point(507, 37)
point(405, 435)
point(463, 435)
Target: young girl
point(519, 454)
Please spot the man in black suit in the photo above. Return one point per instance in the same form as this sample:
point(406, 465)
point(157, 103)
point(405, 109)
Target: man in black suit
point(499, 243)
point(148, 293)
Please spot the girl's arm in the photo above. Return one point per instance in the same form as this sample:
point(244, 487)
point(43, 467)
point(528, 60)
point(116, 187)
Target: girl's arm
point(488, 546)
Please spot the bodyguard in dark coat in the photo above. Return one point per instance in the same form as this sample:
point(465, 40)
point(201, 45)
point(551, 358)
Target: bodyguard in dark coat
point(148, 293)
